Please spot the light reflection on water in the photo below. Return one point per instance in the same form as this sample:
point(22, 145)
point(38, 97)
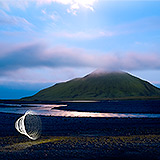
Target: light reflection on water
point(47, 110)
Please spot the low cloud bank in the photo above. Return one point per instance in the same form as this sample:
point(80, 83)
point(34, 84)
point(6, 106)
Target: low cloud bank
point(39, 55)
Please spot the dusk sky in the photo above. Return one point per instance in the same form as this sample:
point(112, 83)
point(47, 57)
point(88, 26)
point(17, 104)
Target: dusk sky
point(43, 42)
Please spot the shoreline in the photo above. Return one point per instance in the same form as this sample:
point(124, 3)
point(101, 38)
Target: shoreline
point(21, 100)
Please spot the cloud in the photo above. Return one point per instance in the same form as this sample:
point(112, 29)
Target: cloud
point(85, 35)
point(39, 55)
point(18, 4)
point(43, 75)
point(37, 63)
point(8, 20)
point(53, 16)
point(137, 61)
point(137, 27)
point(73, 5)
point(76, 4)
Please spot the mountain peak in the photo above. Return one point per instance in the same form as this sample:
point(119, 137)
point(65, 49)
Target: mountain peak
point(102, 72)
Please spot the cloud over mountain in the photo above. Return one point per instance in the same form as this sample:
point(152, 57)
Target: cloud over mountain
point(36, 55)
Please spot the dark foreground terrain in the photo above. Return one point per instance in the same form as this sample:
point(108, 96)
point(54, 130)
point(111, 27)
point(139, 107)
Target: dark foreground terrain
point(83, 138)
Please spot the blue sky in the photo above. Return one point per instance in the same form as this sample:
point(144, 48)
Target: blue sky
point(48, 41)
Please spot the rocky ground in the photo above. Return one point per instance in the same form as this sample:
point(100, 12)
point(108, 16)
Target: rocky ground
point(82, 138)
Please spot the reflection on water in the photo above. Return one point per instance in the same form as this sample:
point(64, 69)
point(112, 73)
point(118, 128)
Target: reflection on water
point(48, 110)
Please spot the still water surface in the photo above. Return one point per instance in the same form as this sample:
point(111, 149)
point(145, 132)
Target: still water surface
point(48, 110)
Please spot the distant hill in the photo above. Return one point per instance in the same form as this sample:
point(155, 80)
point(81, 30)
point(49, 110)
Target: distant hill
point(99, 85)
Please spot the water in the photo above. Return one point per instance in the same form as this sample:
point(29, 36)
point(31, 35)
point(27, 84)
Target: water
point(132, 109)
point(132, 106)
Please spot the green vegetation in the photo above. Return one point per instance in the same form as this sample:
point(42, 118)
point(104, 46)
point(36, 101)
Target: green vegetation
point(142, 143)
point(99, 86)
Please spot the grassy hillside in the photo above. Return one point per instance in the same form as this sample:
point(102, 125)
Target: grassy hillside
point(99, 86)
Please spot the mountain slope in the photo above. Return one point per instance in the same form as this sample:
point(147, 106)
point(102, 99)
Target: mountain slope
point(98, 86)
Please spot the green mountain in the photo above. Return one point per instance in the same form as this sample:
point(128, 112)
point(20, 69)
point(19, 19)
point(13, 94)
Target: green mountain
point(99, 85)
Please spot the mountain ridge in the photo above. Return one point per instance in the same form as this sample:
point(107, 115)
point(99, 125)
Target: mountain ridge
point(99, 85)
